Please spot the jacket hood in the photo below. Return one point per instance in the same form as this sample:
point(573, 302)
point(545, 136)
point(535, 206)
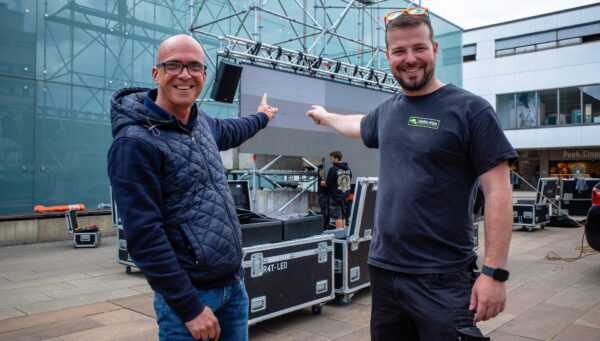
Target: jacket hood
point(342, 165)
point(127, 108)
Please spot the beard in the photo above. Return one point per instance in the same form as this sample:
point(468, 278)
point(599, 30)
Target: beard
point(416, 84)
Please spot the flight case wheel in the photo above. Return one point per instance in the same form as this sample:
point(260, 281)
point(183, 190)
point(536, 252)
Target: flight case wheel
point(316, 309)
point(344, 299)
point(128, 270)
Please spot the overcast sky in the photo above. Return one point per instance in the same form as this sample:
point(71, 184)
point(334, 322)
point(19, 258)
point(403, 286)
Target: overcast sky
point(475, 13)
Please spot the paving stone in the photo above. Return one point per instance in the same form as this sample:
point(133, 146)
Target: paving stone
point(48, 330)
point(291, 335)
point(578, 333)
point(142, 304)
point(541, 322)
point(38, 289)
point(359, 316)
point(522, 299)
point(119, 316)
point(327, 327)
point(579, 296)
point(359, 335)
point(40, 281)
point(101, 284)
point(75, 301)
point(592, 275)
point(591, 318)
point(113, 331)
point(489, 326)
point(498, 336)
point(151, 335)
point(53, 316)
point(6, 313)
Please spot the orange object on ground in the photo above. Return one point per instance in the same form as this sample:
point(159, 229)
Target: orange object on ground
point(59, 208)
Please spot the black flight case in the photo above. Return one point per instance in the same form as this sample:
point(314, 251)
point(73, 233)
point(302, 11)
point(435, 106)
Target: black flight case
point(576, 196)
point(530, 214)
point(353, 242)
point(288, 264)
point(288, 276)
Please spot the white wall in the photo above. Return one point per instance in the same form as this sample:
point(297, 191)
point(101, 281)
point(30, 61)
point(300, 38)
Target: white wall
point(560, 67)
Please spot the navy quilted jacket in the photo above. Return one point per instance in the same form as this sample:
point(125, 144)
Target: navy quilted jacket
point(171, 191)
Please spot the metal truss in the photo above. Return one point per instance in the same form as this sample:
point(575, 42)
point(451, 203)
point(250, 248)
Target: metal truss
point(349, 31)
point(280, 58)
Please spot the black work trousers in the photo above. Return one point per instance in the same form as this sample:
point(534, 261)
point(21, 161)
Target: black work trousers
point(420, 306)
point(324, 205)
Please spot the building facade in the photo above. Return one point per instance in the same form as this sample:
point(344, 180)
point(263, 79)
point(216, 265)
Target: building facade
point(542, 75)
point(61, 60)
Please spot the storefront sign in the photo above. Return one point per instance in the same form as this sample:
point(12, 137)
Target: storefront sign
point(574, 155)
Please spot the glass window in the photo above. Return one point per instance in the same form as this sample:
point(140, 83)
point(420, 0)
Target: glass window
point(526, 110)
point(591, 104)
point(505, 108)
point(16, 144)
point(544, 46)
point(548, 106)
point(506, 52)
point(570, 105)
point(523, 49)
point(571, 41)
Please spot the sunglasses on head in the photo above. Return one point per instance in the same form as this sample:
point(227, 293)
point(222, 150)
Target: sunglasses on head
point(416, 11)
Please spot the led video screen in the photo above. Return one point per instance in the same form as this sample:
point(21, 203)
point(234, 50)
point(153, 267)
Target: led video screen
point(292, 132)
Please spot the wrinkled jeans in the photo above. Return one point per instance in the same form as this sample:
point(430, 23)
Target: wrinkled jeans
point(229, 304)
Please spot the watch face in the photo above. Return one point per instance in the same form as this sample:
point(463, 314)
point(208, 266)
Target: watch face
point(497, 274)
point(501, 275)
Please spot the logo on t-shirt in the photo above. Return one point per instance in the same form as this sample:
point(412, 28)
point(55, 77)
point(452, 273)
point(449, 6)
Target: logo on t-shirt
point(423, 122)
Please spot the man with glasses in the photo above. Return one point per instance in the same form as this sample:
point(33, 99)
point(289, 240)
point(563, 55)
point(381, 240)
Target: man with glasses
point(172, 194)
point(436, 140)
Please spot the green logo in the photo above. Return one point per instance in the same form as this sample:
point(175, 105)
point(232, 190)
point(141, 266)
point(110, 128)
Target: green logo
point(423, 122)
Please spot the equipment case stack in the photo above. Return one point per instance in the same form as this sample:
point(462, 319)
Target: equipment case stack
point(352, 243)
point(288, 276)
point(530, 214)
point(575, 200)
point(288, 264)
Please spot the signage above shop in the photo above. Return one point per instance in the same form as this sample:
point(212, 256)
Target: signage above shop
point(582, 155)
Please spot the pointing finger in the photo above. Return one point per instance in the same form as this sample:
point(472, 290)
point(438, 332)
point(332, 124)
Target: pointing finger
point(264, 99)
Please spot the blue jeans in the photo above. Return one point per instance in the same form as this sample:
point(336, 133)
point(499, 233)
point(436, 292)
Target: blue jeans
point(229, 304)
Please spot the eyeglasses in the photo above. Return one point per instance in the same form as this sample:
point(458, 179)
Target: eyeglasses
point(416, 11)
point(175, 68)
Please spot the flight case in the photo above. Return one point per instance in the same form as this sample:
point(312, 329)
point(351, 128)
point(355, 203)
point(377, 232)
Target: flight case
point(88, 236)
point(352, 243)
point(530, 214)
point(287, 276)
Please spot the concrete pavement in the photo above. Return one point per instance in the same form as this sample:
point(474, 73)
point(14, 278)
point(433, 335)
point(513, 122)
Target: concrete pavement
point(51, 291)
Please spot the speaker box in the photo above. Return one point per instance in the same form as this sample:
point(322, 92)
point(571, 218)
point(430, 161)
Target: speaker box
point(226, 82)
point(261, 232)
point(302, 227)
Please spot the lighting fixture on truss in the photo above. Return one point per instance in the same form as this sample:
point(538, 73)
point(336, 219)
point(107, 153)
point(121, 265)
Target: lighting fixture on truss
point(297, 61)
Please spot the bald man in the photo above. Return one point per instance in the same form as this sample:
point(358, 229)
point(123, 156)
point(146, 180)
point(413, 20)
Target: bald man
point(177, 211)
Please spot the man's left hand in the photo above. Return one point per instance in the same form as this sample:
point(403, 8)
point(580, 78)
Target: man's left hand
point(266, 108)
point(488, 298)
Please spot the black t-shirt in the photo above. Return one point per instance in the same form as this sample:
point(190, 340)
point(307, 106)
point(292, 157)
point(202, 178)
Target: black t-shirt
point(432, 150)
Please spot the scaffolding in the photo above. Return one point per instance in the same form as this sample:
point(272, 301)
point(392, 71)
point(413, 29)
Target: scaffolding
point(340, 39)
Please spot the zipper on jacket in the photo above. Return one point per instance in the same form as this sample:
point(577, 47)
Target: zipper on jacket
point(212, 182)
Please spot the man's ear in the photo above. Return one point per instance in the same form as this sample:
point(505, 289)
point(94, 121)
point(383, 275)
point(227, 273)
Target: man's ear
point(155, 75)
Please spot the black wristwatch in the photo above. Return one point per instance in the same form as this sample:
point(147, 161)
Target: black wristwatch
point(498, 274)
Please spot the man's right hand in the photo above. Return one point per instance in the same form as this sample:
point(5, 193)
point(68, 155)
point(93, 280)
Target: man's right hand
point(204, 326)
point(318, 114)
